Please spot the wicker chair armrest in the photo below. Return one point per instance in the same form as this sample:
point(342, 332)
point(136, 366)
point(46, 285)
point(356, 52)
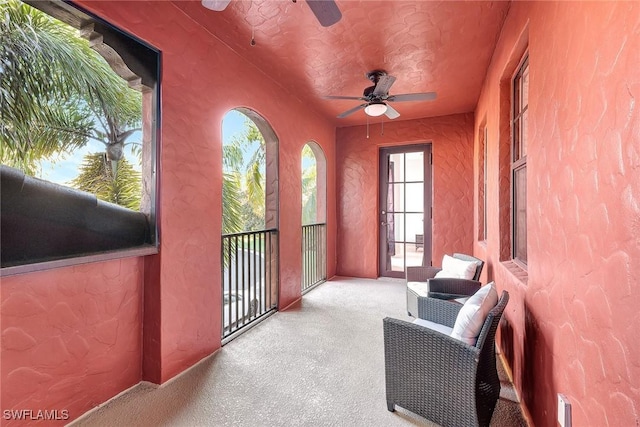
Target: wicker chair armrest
point(421, 274)
point(428, 372)
point(439, 311)
point(449, 288)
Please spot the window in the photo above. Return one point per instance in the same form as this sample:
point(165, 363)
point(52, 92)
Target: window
point(482, 184)
point(84, 97)
point(519, 161)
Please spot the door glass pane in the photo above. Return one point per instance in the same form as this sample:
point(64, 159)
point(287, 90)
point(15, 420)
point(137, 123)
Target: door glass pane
point(398, 232)
point(414, 227)
point(415, 197)
point(397, 203)
point(415, 166)
point(396, 167)
point(415, 248)
point(397, 260)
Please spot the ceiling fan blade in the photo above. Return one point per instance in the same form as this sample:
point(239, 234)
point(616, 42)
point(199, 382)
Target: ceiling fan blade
point(357, 98)
point(383, 85)
point(391, 112)
point(326, 11)
point(429, 96)
point(217, 5)
point(351, 111)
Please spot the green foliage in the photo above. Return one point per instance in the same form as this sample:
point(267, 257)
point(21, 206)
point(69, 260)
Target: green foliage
point(243, 194)
point(309, 186)
point(56, 92)
point(232, 220)
point(96, 176)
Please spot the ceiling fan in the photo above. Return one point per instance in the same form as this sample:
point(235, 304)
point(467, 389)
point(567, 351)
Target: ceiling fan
point(326, 11)
point(377, 97)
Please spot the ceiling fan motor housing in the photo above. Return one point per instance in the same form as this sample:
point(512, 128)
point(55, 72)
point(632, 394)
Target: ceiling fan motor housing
point(368, 92)
point(375, 75)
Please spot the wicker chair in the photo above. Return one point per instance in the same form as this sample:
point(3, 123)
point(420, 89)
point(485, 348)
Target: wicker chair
point(439, 377)
point(441, 288)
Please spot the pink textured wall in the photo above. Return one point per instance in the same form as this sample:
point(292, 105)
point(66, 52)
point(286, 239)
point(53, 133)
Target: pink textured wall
point(573, 321)
point(71, 338)
point(357, 165)
point(182, 289)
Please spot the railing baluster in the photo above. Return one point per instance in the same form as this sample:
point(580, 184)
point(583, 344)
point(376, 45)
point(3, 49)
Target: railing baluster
point(314, 265)
point(250, 275)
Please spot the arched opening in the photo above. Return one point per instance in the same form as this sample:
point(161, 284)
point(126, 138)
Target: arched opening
point(249, 220)
point(314, 237)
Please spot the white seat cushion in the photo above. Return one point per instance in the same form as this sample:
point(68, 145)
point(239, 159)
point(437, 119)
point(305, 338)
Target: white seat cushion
point(434, 326)
point(420, 288)
point(457, 268)
point(473, 314)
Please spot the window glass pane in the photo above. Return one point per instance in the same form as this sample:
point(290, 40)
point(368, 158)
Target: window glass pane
point(520, 213)
point(525, 87)
point(523, 133)
point(415, 166)
point(415, 197)
point(396, 166)
point(516, 140)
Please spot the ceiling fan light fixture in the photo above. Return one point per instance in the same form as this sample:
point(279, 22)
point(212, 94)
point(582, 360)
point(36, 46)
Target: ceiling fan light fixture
point(375, 109)
point(217, 5)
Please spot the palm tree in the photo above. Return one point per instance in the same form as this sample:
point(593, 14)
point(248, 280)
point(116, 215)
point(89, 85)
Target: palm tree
point(309, 189)
point(56, 93)
point(96, 176)
point(243, 196)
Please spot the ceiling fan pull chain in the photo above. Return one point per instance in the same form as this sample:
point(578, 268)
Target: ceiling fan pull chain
point(382, 127)
point(367, 127)
point(253, 36)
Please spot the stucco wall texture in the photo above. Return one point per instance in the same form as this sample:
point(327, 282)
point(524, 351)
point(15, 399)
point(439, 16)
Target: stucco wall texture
point(451, 139)
point(74, 337)
point(573, 321)
point(56, 354)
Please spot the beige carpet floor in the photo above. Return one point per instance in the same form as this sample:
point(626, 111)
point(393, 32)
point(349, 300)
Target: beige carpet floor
point(319, 364)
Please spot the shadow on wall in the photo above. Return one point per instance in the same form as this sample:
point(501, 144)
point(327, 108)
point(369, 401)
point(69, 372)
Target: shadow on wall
point(506, 341)
point(538, 387)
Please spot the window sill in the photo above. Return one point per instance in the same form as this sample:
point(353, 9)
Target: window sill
point(517, 271)
point(67, 262)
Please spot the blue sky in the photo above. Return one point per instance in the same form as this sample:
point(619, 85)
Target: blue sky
point(64, 167)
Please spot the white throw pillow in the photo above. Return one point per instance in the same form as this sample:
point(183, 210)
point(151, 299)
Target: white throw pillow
point(457, 268)
point(473, 314)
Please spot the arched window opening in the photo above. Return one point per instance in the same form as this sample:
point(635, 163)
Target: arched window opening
point(314, 240)
point(244, 174)
point(249, 220)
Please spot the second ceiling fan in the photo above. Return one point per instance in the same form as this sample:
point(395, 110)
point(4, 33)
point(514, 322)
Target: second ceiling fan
point(377, 97)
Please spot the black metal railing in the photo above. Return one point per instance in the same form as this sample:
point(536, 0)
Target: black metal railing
point(249, 278)
point(314, 255)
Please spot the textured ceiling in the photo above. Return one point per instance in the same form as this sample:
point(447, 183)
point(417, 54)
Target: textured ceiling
point(443, 47)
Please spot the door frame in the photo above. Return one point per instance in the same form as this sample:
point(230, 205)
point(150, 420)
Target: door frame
point(383, 153)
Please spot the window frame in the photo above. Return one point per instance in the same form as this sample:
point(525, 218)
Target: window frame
point(519, 117)
point(149, 70)
point(482, 183)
